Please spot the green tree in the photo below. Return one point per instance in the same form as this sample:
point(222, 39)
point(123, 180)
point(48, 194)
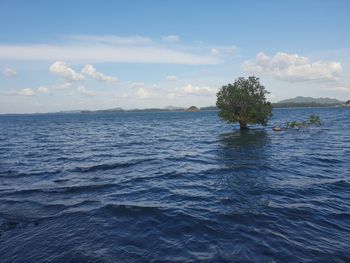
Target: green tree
point(244, 101)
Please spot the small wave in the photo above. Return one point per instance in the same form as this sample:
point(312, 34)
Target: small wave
point(70, 189)
point(12, 223)
point(156, 176)
point(11, 173)
point(61, 180)
point(131, 209)
point(332, 161)
point(337, 182)
point(111, 166)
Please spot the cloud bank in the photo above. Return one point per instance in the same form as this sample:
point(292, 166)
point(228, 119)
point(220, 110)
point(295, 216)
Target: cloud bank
point(98, 53)
point(293, 68)
point(195, 90)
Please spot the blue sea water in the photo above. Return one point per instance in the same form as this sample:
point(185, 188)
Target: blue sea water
point(174, 187)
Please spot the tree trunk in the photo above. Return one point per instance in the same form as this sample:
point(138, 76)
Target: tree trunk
point(243, 126)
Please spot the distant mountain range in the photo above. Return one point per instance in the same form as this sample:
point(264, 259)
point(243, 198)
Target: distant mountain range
point(308, 102)
point(301, 99)
point(287, 103)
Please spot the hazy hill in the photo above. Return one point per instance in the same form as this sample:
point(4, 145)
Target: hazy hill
point(210, 108)
point(287, 103)
point(193, 109)
point(301, 99)
point(173, 108)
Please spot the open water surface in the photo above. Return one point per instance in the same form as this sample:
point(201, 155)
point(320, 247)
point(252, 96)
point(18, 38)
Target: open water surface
point(173, 187)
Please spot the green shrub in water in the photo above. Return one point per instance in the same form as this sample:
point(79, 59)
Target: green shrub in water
point(313, 120)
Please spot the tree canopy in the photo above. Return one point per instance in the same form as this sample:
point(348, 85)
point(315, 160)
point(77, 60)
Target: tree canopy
point(244, 101)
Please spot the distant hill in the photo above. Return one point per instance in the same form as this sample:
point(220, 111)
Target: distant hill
point(173, 108)
point(307, 102)
point(301, 99)
point(193, 109)
point(101, 111)
point(287, 103)
point(210, 108)
point(168, 108)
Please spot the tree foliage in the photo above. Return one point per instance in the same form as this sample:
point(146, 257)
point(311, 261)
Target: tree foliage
point(244, 101)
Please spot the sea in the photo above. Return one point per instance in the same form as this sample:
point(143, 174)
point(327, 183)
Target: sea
point(174, 187)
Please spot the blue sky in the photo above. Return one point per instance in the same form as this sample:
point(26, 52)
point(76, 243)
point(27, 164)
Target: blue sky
point(103, 54)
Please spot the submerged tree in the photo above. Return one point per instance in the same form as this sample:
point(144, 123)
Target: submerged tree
point(244, 101)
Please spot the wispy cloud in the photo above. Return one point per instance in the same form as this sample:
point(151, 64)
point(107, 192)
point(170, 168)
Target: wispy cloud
point(112, 39)
point(56, 87)
point(118, 49)
point(9, 72)
point(63, 86)
point(293, 68)
point(171, 38)
point(27, 92)
point(143, 93)
point(171, 78)
point(340, 88)
point(215, 51)
point(137, 85)
point(84, 91)
point(44, 90)
point(195, 90)
point(103, 53)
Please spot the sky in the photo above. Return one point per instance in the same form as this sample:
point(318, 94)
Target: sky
point(77, 55)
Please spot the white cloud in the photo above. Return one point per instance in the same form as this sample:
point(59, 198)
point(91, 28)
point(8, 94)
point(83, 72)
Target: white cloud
point(44, 90)
point(142, 93)
point(171, 38)
point(63, 86)
point(9, 72)
point(27, 92)
point(62, 69)
point(171, 78)
point(92, 72)
point(83, 90)
point(293, 68)
point(195, 90)
point(99, 53)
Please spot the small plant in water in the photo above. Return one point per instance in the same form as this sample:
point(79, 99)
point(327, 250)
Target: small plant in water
point(294, 124)
point(314, 120)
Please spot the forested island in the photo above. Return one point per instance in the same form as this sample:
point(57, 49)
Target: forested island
point(308, 102)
